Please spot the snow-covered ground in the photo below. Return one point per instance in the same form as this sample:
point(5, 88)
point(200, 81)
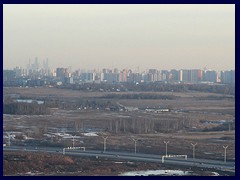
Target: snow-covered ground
point(63, 135)
point(90, 134)
point(215, 174)
point(27, 137)
point(161, 172)
point(12, 136)
point(157, 172)
point(119, 162)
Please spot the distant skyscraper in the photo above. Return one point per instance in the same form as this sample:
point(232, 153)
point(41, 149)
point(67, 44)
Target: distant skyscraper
point(165, 75)
point(210, 76)
point(87, 77)
point(47, 64)
point(8, 75)
point(181, 75)
point(29, 64)
point(228, 77)
point(18, 71)
point(196, 75)
point(186, 75)
point(61, 73)
point(173, 75)
point(36, 64)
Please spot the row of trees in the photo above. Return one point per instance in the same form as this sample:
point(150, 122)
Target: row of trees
point(139, 96)
point(147, 125)
point(99, 104)
point(153, 86)
point(133, 125)
point(25, 108)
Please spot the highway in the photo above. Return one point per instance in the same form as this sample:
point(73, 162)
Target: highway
point(204, 163)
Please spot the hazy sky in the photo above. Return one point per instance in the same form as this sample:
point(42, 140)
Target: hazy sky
point(96, 36)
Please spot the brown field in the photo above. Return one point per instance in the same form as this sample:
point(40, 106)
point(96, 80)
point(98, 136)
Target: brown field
point(43, 91)
point(109, 123)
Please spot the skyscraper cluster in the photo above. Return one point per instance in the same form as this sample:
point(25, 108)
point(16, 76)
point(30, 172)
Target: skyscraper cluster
point(34, 68)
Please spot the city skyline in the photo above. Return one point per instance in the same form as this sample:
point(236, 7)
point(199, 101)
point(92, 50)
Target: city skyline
point(37, 65)
point(109, 36)
point(34, 71)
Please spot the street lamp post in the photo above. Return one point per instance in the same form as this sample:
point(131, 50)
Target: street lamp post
point(166, 142)
point(225, 153)
point(193, 145)
point(104, 143)
point(73, 141)
point(135, 144)
point(9, 138)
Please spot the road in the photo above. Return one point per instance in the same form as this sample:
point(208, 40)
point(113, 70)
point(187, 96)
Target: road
point(205, 163)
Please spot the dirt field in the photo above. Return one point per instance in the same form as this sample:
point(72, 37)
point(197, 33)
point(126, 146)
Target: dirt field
point(208, 122)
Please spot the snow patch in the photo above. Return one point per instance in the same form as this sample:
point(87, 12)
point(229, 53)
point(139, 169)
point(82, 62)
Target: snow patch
point(65, 135)
point(90, 134)
point(157, 172)
point(215, 174)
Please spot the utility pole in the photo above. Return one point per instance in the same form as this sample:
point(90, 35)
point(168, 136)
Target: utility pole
point(225, 153)
point(166, 142)
point(104, 143)
point(193, 145)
